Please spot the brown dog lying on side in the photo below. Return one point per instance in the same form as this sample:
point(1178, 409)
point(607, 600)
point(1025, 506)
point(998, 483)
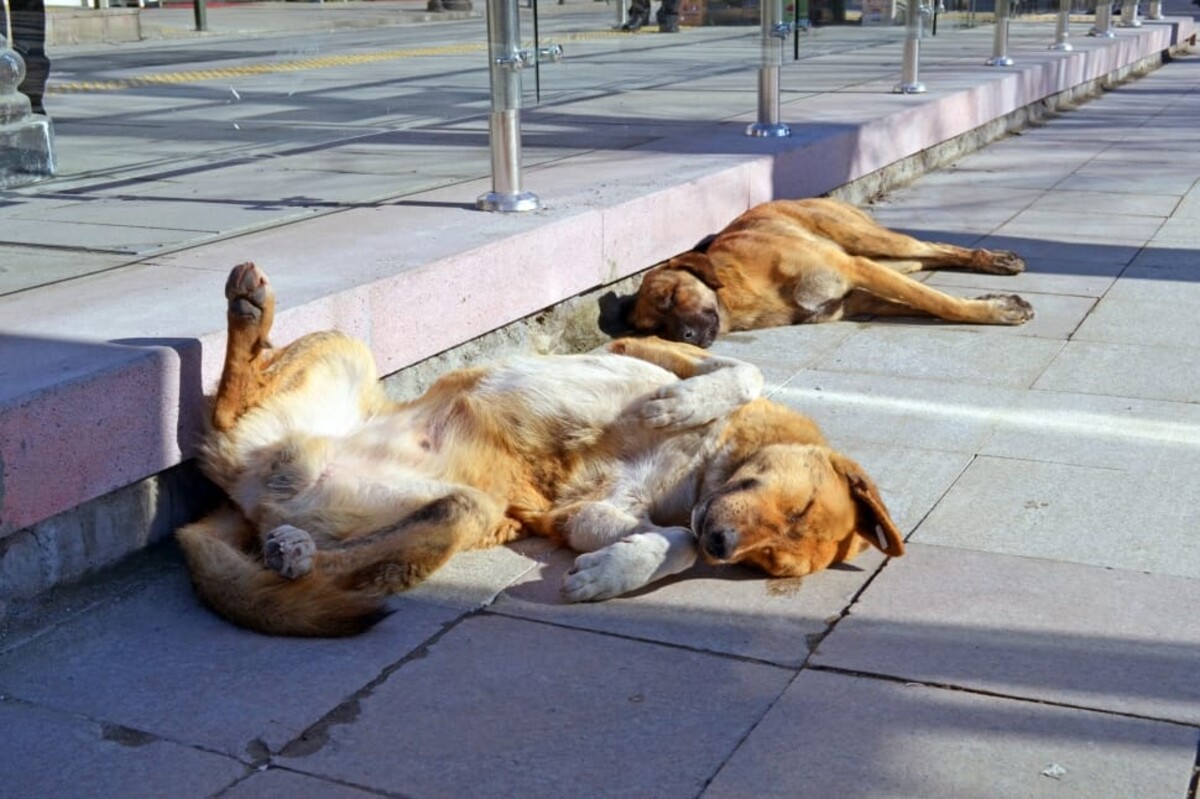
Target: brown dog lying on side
point(818, 260)
point(643, 458)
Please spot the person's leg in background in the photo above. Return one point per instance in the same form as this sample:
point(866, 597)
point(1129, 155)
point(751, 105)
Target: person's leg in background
point(668, 16)
point(639, 15)
point(29, 39)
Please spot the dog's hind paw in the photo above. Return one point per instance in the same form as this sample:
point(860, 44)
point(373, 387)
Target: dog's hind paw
point(248, 292)
point(1008, 309)
point(289, 551)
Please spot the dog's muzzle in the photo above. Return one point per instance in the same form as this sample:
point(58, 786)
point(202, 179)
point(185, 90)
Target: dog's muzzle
point(700, 330)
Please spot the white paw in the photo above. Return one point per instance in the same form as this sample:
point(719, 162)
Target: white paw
point(677, 405)
point(617, 569)
point(289, 551)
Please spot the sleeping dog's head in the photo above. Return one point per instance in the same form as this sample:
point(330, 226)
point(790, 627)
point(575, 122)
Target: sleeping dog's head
point(793, 509)
point(678, 301)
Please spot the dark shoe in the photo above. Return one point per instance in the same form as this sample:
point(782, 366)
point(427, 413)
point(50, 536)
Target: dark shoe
point(35, 103)
point(636, 22)
point(668, 27)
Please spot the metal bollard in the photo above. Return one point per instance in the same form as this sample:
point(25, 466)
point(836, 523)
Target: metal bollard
point(622, 14)
point(1155, 10)
point(507, 60)
point(774, 32)
point(1129, 14)
point(1102, 27)
point(910, 66)
point(1000, 38)
point(1062, 28)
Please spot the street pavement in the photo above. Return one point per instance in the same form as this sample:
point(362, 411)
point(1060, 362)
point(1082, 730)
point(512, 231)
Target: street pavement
point(1039, 638)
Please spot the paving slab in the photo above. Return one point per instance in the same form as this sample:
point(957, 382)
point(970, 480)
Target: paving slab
point(841, 735)
point(1125, 370)
point(23, 268)
point(1056, 316)
point(159, 663)
point(278, 783)
point(1080, 514)
point(1121, 321)
point(781, 352)
point(729, 610)
point(1110, 639)
point(912, 481)
point(1130, 435)
point(47, 753)
point(503, 707)
point(899, 411)
point(1044, 274)
point(975, 356)
point(474, 579)
point(1083, 227)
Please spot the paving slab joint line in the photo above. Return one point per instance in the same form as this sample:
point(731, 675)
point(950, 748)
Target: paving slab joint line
point(906, 681)
point(639, 640)
point(314, 738)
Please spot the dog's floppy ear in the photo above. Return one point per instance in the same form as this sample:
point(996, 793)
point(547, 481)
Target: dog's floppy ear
point(698, 264)
point(614, 314)
point(874, 523)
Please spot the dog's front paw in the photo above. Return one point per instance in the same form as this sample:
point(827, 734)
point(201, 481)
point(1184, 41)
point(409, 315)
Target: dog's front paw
point(677, 405)
point(617, 569)
point(1008, 309)
point(1005, 262)
point(289, 551)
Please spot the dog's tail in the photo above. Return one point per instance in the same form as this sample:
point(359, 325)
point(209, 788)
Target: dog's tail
point(236, 584)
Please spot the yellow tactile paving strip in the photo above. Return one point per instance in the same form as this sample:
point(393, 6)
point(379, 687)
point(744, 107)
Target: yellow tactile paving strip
point(299, 65)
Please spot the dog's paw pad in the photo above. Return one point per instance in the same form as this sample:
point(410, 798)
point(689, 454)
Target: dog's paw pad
point(248, 291)
point(1009, 308)
point(289, 551)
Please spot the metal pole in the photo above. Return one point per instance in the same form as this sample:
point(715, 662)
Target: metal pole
point(1155, 10)
point(622, 14)
point(507, 60)
point(200, 12)
point(774, 32)
point(1102, 27)
point(909, 84)
point(1000, 38)
point(1062, 28)
point(1129, 14)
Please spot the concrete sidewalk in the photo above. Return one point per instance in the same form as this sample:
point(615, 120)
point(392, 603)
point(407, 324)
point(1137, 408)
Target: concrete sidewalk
point(1039, 639)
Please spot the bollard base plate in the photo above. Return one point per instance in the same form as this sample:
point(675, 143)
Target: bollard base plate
point(1062, 47)
point(763, 130)
point(999, 61)
point(508, 203)
point(1108, 33)
point(909, 88)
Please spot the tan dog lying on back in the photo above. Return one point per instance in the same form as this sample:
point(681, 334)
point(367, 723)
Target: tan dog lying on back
point(643, 458)
point(817, 260)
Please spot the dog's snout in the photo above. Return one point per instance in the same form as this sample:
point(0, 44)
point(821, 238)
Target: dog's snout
point(720, 544)
point(689, 334)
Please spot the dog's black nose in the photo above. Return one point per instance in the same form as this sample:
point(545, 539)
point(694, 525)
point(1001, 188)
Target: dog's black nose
point(719, 544)
point(689, 334)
